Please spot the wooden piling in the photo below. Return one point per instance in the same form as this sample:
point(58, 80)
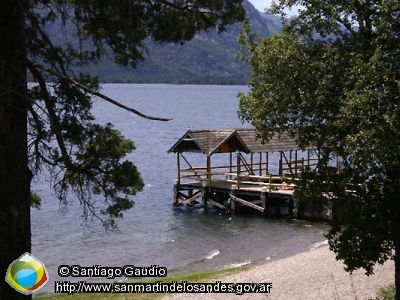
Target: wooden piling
point(270, 183)
point(176, 192)
point(295, 210)
point(204, 192)
point(233, 193)
point(264, 196)
point(178, 162)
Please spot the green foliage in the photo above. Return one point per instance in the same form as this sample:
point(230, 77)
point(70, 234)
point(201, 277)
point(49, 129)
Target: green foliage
point(209, 58)
point(387, 293)
point(332, 80)
point(83, 157)
point(36, 201)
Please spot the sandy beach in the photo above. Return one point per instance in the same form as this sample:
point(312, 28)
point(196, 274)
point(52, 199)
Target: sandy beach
point(309, 275)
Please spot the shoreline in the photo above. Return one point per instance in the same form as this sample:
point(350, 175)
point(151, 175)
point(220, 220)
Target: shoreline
point(314, 274)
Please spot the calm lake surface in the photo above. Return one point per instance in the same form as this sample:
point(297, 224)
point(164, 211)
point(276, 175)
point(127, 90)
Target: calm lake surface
point(153, 232)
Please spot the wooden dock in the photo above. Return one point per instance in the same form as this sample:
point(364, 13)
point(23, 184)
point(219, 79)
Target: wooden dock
point(245, 181)
point(230, 197)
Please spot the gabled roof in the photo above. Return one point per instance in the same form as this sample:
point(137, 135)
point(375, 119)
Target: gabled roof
point(281, 142)
point(210, 142)
point(232, 140)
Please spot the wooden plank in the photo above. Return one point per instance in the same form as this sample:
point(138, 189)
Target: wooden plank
point(217, 204)
point(255, 176)
point(257, 201)
point(190, 200)
point(244, 202)
point(182, 195)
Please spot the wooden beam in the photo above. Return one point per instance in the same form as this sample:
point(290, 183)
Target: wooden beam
point(233, 193)
point(244, 202)
point(238, 169)
point(217, 204)
point(204, 193)
point(178, 162)
point(230, 162)
point(190, 200)
point(264, 197)
point(209, 172)
point(176, 191)
point(190, 166)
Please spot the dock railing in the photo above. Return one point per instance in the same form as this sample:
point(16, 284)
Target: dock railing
point(242, 171)
point(240, 178)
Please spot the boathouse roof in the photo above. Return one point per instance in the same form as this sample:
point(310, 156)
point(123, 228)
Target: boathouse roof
point(210, 142)
point(231, 140)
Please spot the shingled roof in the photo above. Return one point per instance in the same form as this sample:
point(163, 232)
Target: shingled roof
point(282, 142)
point(231, 140)
point(210, 142)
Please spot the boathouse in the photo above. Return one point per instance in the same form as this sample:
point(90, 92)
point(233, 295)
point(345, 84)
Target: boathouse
point(256, 175)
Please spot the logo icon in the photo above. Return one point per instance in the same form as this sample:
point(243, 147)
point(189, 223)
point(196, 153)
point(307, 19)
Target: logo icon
point(27, 274)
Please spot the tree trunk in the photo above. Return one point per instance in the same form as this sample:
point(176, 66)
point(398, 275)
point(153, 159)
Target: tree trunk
point(397, 255)
point(15, 236)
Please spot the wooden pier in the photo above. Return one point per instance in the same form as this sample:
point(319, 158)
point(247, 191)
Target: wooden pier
point(245, 181)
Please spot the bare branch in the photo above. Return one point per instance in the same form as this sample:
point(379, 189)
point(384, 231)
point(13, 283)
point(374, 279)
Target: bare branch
point(98, 94)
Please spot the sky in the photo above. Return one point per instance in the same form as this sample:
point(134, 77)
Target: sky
point(261, 4)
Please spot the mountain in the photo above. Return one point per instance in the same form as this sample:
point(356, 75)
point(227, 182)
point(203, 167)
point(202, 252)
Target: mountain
point(207, 59)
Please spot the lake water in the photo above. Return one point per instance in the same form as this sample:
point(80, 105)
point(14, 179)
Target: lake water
point(153, 232)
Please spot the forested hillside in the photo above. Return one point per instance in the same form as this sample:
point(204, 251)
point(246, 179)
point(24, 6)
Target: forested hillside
point(208, 59)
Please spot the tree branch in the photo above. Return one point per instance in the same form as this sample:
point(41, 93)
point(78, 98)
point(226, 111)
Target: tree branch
point(98, 94)
point(53, 117)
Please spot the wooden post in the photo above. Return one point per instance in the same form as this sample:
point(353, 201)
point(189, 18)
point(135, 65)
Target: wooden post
point(204, 194)
point(209, 172)
point(233, 193)
point(251, 162)
point(295, 211)
point(178, 162)
point(230, 164)
point(238, 169)
point(270, 183)
point(280, 165)
point(260, 163)
point(308, 157)
point(295, 164)
point(291, 207)
point(278, 208)
point(176, 192)
point(267, 163)
point(264, 196)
